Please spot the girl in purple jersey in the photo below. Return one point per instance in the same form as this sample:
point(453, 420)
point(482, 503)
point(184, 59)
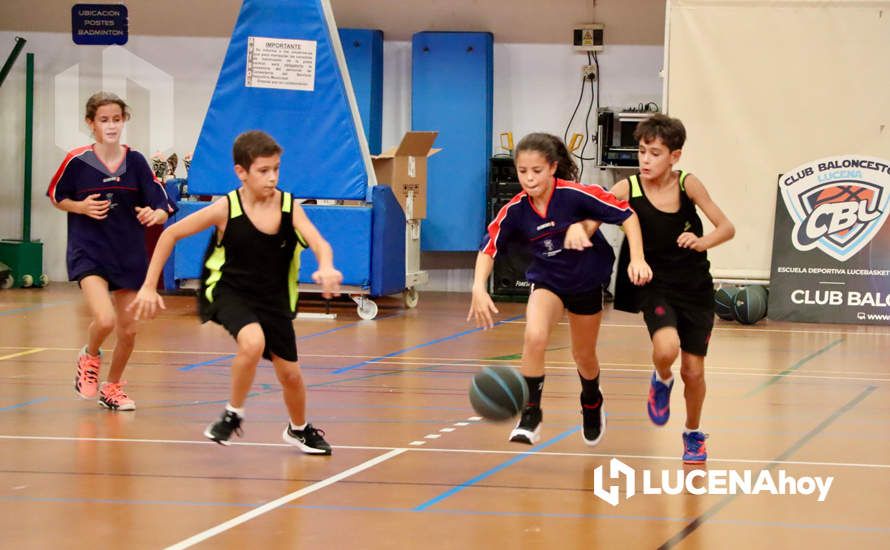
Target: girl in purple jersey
point(568, 270)
point(110, 195)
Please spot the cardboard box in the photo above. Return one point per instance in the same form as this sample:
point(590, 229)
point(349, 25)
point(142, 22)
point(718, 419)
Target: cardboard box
point(403, 168)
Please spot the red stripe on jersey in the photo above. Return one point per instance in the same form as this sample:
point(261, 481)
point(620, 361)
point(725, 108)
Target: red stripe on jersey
point(596, 192)
point(494, 228)
point(74, 153)
point(164, 191)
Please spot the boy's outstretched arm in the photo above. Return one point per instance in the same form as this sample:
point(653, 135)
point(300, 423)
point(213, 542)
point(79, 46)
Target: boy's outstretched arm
point(723, 228)
point(148, 301)
point(578, 234)
point(638, 270)
point(481, 306)
point(327, 276)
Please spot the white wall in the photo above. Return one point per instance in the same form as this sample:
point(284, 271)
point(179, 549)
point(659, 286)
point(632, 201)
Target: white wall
point(193, 64)
point(813, 84)
point(536, 88)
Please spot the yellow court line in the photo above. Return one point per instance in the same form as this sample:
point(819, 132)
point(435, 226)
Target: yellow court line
point(19, 354)
point(469, 361)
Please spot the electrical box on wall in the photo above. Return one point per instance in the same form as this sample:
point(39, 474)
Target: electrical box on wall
point(588, 37)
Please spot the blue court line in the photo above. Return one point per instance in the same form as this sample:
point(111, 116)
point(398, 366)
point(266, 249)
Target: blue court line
point(348, 325)
point(25, 404)
point(496, 469)
point(419, 346)
point(204, 363)
point(344, 508)
point(793, 368)
point(31, 308)
point(713, 510)
point(367, 376)
point(272, 389)
point(187, 368)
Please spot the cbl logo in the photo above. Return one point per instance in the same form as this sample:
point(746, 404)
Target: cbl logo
point(838, 204)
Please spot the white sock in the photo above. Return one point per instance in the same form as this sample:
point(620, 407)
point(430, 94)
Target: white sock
point(666, 381)
point(688, 431)
point(298, 428)
point(239, 412)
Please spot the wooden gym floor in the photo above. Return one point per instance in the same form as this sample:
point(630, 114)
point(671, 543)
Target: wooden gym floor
point(412, 466)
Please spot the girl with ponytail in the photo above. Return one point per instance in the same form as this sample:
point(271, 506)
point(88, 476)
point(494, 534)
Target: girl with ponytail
point(552, 217)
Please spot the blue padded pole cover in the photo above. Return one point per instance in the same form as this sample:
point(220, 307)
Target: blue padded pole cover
point(301, 98)
point(363, 49)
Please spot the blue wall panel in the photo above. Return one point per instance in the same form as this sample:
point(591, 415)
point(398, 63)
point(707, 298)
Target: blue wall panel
point(363, 49)
point(452, 93)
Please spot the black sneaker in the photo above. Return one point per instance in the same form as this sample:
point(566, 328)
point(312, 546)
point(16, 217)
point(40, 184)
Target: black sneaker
point(528, 429)
point(221, 430)
point(594, 421)
point(309, 440)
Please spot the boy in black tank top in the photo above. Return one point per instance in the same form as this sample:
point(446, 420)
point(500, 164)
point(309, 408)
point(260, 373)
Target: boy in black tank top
point(249, 284)
point(678, 304)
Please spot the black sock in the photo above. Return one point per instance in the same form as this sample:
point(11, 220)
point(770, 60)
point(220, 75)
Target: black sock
point(590, 390)
point(535, 387)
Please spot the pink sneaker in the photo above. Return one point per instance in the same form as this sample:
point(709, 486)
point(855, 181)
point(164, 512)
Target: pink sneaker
point(112, 396)
point(86, 378)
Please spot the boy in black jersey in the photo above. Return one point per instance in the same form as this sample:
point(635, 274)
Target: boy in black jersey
point(249, 284)
point(678, 304)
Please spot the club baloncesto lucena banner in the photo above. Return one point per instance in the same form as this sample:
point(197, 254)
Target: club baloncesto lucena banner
point(831, 250)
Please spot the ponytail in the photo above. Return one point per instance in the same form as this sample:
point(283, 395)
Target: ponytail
point(554, 150)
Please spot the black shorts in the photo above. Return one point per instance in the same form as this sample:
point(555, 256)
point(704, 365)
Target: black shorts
point(583, 303)
point(693, 324)
point(234, 313)
point(111, 286)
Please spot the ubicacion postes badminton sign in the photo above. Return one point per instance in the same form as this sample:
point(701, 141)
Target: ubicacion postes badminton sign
point(831, 251)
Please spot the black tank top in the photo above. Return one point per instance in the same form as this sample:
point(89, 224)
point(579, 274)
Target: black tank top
point(262, 269)
point(681, 272)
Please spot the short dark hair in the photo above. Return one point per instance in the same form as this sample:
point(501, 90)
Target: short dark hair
point(251, 145)
point(99, 99)
point(554, 150)
point(670, 130)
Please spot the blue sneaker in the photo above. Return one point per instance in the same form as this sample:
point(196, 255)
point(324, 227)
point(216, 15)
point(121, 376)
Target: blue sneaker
point(659, 405)
point(694, 449)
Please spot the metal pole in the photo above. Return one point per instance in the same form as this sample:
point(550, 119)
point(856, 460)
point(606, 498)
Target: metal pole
point(13, 55)
point(29, 138)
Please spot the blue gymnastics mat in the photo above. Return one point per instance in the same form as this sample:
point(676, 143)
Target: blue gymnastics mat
point(346, 228)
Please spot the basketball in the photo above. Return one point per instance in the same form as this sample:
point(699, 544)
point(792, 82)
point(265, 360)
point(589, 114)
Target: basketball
point(750, 304)
point(498, 393)
point(724, 299)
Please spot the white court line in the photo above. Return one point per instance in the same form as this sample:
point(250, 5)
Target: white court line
point(19, 354)
point(247, 516)
point(444, 450)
